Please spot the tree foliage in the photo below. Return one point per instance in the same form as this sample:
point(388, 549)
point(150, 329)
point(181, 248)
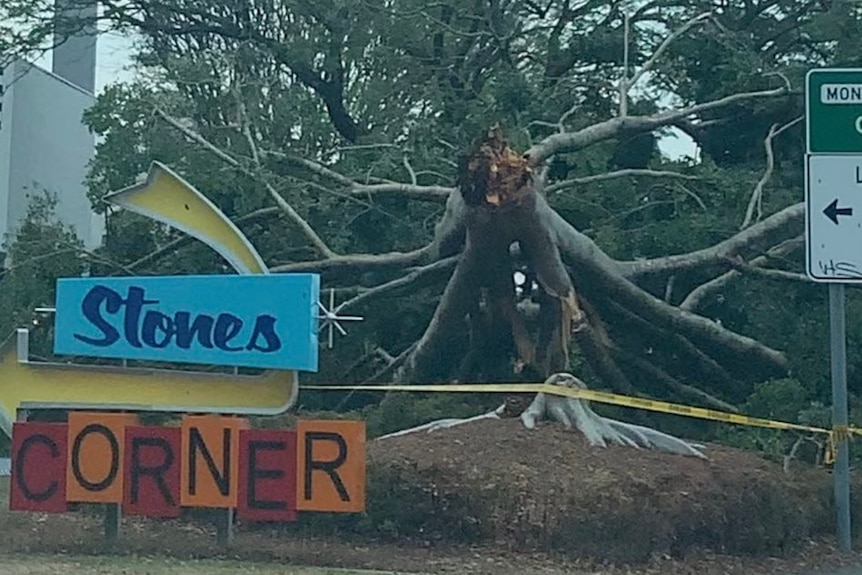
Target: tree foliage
point(43, 250)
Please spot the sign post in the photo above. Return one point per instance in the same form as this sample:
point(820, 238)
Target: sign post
point(833, 231)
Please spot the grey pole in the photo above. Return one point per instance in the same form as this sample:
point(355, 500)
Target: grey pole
point(841, 470)
point(224, 527)
point(112, 519)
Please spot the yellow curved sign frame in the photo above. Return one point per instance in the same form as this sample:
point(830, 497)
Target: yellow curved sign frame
point(167, 198)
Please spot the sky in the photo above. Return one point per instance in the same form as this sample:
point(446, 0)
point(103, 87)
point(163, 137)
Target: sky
point(113, 62)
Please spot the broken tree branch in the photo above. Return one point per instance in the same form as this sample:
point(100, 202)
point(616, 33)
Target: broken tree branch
point(625, 84)
point(698, 294)
point(765, 231)
point(410, 170)
point(664, 46)
point(394, 365)
point(559, 187)
point(416, 192)
point(594, 265)
point(314, 167)
point(449, 234)
point(279, 200)
point(309, 232)
point(422, 275)
point(572, 141)
point(756, 200)
point(741, 266)
point(354, 262)
point(419, 192)
point(333, 261)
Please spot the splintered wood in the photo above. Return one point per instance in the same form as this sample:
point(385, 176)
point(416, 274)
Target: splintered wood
point(573, 320)
point(496, 174)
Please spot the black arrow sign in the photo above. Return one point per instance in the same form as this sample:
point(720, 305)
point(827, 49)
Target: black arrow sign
point(832, 211)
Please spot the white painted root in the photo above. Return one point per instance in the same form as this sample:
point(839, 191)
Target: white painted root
point(445, 423)
point(600, 431)
point(575, 413)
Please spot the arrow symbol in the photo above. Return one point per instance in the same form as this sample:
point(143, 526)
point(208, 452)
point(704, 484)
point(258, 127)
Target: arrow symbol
point(167, 198)
point(832, 211)
point(26, 384)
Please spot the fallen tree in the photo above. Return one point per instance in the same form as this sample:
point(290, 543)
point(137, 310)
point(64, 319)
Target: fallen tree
point(508, 226)
point(498, 222)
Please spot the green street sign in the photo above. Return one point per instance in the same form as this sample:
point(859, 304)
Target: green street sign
point(833, 110)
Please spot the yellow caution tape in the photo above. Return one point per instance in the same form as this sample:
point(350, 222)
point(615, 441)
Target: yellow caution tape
point(844, 432)
point(838, 434)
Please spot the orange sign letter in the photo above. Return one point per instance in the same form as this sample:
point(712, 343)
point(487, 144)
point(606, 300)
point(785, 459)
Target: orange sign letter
point(331, 466)
point(96, 446)
point(210, 460)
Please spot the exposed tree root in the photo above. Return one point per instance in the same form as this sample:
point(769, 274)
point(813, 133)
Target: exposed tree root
point(446, 423)
point(599, 431)
point(575, 414)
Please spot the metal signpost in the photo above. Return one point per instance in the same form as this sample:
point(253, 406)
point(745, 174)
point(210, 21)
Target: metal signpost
point(833, 233)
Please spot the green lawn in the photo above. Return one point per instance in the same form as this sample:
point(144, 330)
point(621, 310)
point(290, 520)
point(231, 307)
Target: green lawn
point(107, 565)
point(15, 561)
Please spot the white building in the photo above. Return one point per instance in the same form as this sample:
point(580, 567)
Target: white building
point(44, 144)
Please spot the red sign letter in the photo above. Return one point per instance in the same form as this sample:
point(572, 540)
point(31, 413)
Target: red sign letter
point(267, 475)
point(38, 467)
point(152, 465)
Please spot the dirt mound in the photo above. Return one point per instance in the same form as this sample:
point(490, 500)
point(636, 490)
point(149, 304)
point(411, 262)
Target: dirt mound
point(548, 490)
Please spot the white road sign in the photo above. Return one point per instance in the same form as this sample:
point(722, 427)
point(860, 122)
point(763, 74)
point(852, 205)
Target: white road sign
point(833, 218)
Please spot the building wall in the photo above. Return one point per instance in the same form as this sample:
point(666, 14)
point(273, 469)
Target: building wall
point(5, 154)
point(74, 57)
point(49, 148)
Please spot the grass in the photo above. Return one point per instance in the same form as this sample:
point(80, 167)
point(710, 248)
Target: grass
point(20, 562)
point(111, 565)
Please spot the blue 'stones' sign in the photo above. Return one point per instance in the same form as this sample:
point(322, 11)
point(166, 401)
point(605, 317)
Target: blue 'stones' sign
point(264, 321)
